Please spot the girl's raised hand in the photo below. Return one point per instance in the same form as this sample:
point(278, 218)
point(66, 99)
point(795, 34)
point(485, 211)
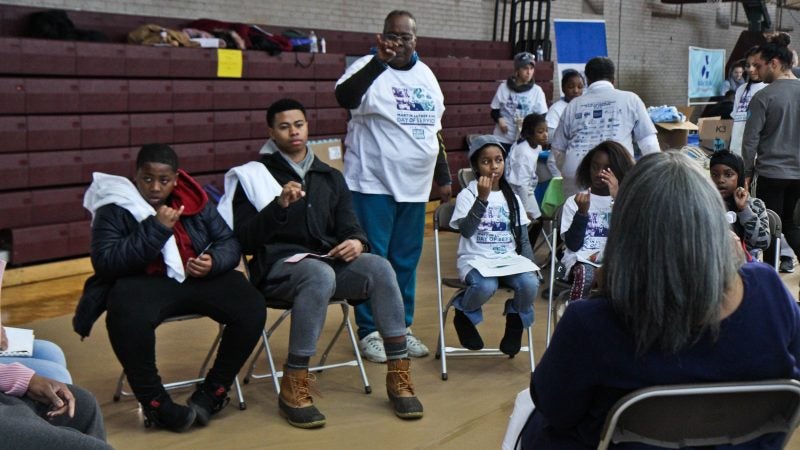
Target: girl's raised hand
point(608, 177)
point(582, 199)
point(485, 187)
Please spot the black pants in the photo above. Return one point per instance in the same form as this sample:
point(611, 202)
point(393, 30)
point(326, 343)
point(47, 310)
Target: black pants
point(781, 196)
point(138, 304)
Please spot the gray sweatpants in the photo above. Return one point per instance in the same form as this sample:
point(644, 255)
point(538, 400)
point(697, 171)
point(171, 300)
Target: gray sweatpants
point(23, 427)
point(311, 283)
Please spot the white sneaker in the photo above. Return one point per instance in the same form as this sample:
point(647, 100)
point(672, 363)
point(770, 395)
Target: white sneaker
point(416, 349)
point(371, 347)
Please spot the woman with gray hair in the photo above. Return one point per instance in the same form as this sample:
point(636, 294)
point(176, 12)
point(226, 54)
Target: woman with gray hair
point(677, 304)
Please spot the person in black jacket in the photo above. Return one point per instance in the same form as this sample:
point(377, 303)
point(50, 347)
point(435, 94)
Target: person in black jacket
point(168, 252)
point(313, 214)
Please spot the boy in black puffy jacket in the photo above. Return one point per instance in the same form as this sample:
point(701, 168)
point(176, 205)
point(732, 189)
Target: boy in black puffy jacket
point(164, 251)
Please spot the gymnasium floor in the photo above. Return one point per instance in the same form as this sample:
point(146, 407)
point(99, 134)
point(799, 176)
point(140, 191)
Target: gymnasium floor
point(468, 411)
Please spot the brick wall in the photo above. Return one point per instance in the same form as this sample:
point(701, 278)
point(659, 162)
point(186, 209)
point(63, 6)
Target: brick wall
point(651, 52)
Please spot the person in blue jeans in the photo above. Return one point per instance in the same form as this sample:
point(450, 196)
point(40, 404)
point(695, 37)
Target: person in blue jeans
point(47, 360)
point(492, 223)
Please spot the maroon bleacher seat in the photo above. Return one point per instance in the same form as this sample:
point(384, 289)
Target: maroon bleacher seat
point(12, 96)
point(149, 95)
point(103, 95)
point(105, 130)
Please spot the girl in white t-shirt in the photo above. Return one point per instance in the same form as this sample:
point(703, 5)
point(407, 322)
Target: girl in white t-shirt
point(572, 85)
point(492, 222)
point(586, 216)
point(522, 165)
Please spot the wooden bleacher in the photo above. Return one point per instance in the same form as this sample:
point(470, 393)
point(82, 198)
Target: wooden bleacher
point(68, 109)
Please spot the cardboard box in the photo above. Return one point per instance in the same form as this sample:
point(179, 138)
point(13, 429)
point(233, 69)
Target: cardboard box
point(329, 151)
point(712, 128)
point(674, 134)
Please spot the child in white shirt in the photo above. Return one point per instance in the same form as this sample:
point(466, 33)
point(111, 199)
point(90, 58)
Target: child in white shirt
point(587, 214)
point(492, 223)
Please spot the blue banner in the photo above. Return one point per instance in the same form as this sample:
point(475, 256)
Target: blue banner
point(706, 72)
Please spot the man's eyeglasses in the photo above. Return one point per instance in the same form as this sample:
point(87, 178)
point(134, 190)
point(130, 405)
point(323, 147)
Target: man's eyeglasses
point(406, 38)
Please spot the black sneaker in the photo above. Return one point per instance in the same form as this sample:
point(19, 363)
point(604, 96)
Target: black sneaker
point(512, 338)
point(162, 412)
point(207, 400)
point(467, 333)
point(786, 265)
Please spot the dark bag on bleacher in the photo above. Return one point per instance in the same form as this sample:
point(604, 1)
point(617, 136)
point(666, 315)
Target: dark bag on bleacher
point(55, 24)
point(300, 42)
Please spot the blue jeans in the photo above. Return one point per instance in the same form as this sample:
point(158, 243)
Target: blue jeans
point(395, 231)
point(48, 361)
point(480, 289)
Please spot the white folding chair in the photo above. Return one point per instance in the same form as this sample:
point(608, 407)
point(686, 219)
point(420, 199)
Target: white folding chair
point(704, 414)
point(275, 374)
point(441, 222)
point(120, 391)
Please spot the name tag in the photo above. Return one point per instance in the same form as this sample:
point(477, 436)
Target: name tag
point(739, 116)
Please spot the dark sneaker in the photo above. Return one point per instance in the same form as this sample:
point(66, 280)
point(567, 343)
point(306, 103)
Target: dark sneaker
point(512, 339)
point(162, 412)
point(467, 333)
point(208, 400)
point(786, 265)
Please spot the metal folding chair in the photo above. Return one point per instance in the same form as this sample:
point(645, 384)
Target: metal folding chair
point(775, 230)
point(704, 414)
point(441, 222)
point(119, 392)
point(275, 374)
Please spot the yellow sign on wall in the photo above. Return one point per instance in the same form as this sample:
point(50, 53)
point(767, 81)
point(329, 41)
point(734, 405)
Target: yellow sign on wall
point(229, 63)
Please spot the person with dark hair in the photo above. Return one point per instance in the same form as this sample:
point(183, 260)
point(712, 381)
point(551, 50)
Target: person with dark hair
point(572, 86)
point(394, 151)
point(492, 223)
point(677, 305)
point(310, 213)
point(515, 99)
point(522, 165)
point(741, 101)
point(162, 250)
point(771, 142)
point(601, 113)
point(747, 215)
point(735, 77)
point(586, 217)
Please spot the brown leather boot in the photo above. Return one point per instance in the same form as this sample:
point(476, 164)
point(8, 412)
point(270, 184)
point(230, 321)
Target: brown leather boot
point(401, 390)
point(295, 402)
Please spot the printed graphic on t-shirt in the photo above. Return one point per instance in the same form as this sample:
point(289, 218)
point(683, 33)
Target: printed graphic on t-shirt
point(595, 122)
point(415, 106)
point(596, 231)
point(519, 103)
point(493, 230)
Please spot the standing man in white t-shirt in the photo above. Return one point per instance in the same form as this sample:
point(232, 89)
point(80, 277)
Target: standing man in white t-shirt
point(394, 150)
point(601, 113)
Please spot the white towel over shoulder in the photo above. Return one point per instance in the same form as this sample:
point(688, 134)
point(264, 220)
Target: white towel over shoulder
point(112, 189)
point(258, 184)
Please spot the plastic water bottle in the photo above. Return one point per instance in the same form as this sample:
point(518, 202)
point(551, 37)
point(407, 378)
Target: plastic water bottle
point(314, 46)
point(322, 47)
point(539, 54)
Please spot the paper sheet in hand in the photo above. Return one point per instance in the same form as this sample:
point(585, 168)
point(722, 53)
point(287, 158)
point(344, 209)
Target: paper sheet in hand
point(20, 342)
point(301, 256)
point(501, 267)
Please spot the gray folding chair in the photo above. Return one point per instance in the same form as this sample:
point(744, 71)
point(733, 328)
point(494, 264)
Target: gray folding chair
point(120, 391)
point(275, 374)
point(775, 230)
point(441, 222)
point(465, 175)
point(703, 414)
